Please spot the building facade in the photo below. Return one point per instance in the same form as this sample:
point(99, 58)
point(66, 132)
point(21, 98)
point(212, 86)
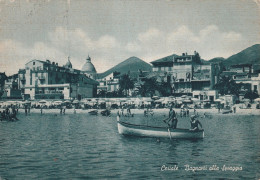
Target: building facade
point(109, 83)
point(48, 80)
point(11, 90)
point(186, 73)
point(243, 74)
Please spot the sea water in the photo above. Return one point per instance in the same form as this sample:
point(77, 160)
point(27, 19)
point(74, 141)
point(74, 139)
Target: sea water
point(81, 146)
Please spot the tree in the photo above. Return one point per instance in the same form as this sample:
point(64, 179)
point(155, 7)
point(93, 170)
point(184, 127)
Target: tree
point(251, 95)
point(165, 88)
point(149, 87)
point(227, 85)
point(126, 83)
point(102, 93)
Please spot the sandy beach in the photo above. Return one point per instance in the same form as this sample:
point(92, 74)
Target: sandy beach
point(212, 111)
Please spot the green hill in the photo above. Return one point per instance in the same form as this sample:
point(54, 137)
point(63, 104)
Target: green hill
point(132, 65)
point(250, 55)
point(216, 60)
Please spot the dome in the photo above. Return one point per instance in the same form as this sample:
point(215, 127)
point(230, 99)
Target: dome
point(88, 66)
point(68, 64)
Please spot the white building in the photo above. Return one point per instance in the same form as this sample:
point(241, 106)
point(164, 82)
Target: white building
point(46, 80)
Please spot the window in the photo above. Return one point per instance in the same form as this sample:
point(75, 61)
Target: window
point(255, 87)
point(33, 63)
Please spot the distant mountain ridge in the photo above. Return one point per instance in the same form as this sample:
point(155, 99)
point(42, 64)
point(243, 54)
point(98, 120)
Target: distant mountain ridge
point(250, 55)
point(132, 65)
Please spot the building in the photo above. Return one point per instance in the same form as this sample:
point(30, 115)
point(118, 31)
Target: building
point(48, 80)
point(11, 90)
point(3, 77)
point(186, 73)
point(245, 75)
point(88, 69)
point(109, 83)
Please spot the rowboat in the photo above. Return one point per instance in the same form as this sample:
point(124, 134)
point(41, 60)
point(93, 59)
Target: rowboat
point(157, 132)
point(95, 112)
point(105, 112)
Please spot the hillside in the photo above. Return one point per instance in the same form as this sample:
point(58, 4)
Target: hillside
point(216, 60)
point(250, 55)
point(132, 64)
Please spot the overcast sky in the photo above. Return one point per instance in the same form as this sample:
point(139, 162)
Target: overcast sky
point(112, 31)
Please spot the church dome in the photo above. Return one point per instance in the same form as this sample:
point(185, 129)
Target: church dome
point(88, 66)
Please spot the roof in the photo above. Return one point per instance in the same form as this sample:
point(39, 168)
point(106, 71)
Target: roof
point(88, 66)
point(167, 59)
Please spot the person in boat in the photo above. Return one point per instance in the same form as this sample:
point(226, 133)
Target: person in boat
point(128, 111)
point(172, 120)
point(122, 111)
point(195, 123)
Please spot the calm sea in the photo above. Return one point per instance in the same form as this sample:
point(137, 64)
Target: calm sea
point(81, 146)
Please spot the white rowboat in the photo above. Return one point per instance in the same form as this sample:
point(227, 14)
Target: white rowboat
point(158, 132)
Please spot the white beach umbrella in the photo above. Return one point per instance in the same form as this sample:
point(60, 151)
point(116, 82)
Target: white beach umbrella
point(257, 100)
point(75, 101)
point(42, 101)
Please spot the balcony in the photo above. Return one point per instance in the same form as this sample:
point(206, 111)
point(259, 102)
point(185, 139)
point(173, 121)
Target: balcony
point(183, 90)
point(48, 92)
point(41, 77)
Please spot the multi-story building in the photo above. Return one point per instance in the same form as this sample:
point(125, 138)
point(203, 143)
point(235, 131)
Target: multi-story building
point(46, 80)
point(243, 74)
point(3, 77)
point(186, 73)
point(109, 83)
point(11, 90)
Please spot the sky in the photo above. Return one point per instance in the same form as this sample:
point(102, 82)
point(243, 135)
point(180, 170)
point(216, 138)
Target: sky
point(110, 31)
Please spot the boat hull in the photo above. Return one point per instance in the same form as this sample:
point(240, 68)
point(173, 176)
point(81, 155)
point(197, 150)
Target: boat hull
point(158, 132)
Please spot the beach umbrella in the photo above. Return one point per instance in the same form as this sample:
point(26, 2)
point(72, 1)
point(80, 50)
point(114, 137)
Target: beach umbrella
point(159, 100)
point(75, 101)
point(42, 101)
point(58, 102)
point(246, 100)
point(257, 99)
point(187, 101)
point(102, 101)
point(147, 99)
point(218, 100)
point(179, 102)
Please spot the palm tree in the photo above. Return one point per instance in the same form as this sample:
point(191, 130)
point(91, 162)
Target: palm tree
point(227, 85)
point(165, 88)
point(149, 87)
point(126, 83)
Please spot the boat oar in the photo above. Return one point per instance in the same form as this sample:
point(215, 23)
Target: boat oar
point(168, 127)
point(169, 133)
